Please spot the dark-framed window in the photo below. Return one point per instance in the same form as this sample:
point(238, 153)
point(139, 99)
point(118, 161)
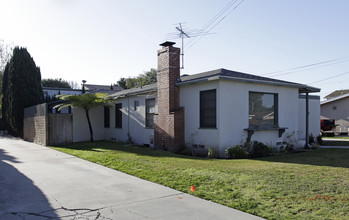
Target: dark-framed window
point(263, 110)
point(106, 117)
point(149, 113)
point(118, 115)
point(136, 105)
point(208, 109)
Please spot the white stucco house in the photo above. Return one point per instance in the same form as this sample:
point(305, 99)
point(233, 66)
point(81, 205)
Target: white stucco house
point(218, 108)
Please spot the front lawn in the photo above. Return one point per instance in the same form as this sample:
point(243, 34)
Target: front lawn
point(309, 185)
point(336, 137)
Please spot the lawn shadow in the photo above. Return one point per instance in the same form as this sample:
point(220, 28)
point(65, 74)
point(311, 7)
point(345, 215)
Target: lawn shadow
point(20, 198)
point(128, 148)
point(321, 157)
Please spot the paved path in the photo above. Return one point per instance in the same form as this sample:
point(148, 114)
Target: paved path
point(334, 147)
point(335, 139)
point(37, 182)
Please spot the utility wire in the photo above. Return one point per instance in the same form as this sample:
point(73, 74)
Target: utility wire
point(197, 39)
point(214, 19)
point(306, 67)
point(328, 78)
point(213, 22)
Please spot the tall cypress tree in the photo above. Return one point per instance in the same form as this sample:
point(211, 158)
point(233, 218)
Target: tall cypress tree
point(4, 93)
point(21, 87)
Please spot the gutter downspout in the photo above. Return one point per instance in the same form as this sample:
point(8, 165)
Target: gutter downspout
point(306, 120)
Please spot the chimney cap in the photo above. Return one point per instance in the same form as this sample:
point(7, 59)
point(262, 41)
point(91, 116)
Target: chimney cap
point(167, 44)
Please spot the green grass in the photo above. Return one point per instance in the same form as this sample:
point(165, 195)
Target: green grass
point(308, 185)
point(336, 137)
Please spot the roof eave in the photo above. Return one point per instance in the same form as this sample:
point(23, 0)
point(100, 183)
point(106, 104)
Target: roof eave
point(193, 81)
point(309, 89)
point(115, 95)
point(302, 87)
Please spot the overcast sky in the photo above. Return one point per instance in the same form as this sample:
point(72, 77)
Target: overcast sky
point(103, 40)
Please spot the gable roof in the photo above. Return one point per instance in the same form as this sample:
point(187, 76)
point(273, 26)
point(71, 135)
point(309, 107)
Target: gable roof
point(243, 77)
point(218, 74)
point(337, 93)
point(335, 99)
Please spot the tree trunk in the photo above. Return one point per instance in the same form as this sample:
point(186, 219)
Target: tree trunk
point(89, 124)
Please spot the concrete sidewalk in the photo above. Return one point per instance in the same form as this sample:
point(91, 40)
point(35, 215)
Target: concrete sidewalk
point(335, 147)
point(37, 182)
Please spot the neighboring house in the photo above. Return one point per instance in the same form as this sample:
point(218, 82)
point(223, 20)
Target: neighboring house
point(337, 108)
point(218, 108)
point(91, 88)
point(337, 93)
point(50, 94)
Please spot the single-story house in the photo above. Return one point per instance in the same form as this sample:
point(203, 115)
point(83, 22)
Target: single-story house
point(336, 93)
point(336, 107)
point(52, 92)
point(217, 109)
point(109, 89)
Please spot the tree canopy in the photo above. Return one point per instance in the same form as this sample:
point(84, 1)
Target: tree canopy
point(5, 56)
point(85, 101)
point(55, 83)
point(149, 77)
point(21, 88)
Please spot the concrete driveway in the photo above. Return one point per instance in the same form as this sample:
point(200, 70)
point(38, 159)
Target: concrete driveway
point(37, 182)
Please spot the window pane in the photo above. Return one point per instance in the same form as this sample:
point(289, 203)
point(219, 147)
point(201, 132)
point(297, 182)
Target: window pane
point(136, 104)
point(106, 117)
point(118, 115)
point(149, 114)
point(208, 109)
point(262, 110)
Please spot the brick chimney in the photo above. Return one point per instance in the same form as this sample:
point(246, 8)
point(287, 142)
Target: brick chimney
point(169, 122)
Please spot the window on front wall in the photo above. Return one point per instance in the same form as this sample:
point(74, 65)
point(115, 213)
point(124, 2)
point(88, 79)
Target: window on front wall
point(136, 105)
point(118, 115)
point(106, 117)
point(149, 113)
point(263, 110)
point(208, 109)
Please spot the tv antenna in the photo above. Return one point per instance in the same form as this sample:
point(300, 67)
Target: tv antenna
point(184, 33)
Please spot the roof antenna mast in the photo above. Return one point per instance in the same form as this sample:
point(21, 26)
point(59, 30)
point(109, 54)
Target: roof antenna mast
point(182, 34)
point(193, 33)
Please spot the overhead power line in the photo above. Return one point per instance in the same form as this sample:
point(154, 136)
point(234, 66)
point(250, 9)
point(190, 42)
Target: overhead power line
point(321, 80)
point(218, 18)
point(307, 67)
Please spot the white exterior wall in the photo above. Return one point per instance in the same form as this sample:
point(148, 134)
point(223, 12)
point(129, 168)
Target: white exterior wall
point(190, 100)
point(133, 122)
point(232, 114)
point(81, 130)
point(314, 117)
